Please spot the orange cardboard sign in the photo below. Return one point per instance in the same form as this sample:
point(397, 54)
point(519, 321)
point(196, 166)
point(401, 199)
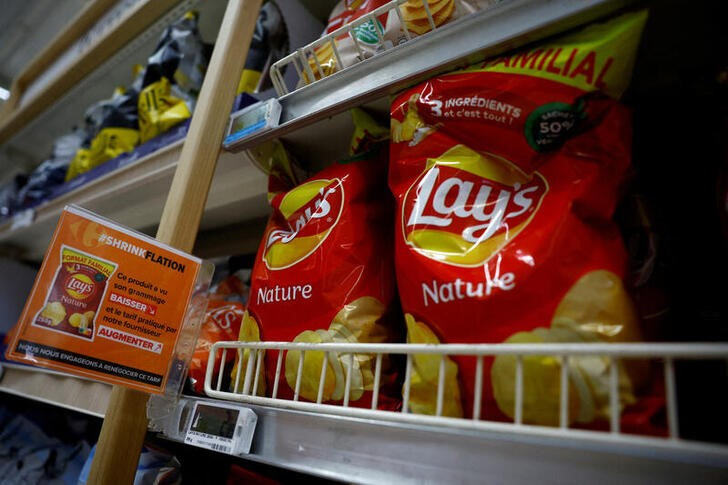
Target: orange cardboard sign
point(108, 303)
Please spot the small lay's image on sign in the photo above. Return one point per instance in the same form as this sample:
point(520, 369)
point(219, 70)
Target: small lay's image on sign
point(73, 300)
point(111, 304)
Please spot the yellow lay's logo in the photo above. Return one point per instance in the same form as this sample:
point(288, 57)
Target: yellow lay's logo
point(466, 206)
point(79, 286)
point(309, 212)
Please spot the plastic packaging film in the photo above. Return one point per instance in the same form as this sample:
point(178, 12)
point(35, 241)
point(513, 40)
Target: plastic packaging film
point(506, 176)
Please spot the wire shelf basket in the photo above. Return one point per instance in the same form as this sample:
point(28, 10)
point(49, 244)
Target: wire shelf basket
point(307, 65)
point(245, 387)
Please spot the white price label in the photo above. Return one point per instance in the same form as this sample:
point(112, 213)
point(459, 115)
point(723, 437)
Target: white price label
point(258, 117)
point(226, 429)
point(209, 441)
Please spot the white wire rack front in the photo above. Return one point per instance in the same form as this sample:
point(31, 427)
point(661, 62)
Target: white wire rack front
point(246, 390)
point(303, 58)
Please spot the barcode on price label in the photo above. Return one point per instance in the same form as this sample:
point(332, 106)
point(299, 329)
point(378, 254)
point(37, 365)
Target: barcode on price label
point(209, 441)
point(218, 447)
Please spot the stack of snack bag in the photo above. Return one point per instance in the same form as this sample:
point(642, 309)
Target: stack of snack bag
point(162, 95)
point(506, 176)
point(172, 77)
point(387, 31)
point(324, 273)
point(111, 127)
point(225, 310)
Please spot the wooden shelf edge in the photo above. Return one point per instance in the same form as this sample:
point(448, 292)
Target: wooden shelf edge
point(133, 195)
point(138, 20)
point(76, 394)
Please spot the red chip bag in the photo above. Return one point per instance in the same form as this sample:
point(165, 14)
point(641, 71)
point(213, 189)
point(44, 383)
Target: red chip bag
point(324, 273)
point(222, 323)
point(224, 315)
point(506, 177)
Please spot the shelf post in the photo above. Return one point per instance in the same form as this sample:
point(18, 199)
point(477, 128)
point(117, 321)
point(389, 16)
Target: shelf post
point(125, 423)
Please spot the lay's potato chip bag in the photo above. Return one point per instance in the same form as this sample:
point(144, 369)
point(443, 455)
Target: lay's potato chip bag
point(324, 274)
point(78, 288)
point(506, 176)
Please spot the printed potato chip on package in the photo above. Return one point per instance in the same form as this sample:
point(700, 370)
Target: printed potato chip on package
point(385, 31)
point(506, 177)
point(81, 281)
point(324, 274)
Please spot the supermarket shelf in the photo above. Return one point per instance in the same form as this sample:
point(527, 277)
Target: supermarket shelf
point(55, 388)
point(371, 451)
point(372, 445)
point(134, 196)
point(27, 133)
point(135, 20)
point(486, 33)
point(366, 450)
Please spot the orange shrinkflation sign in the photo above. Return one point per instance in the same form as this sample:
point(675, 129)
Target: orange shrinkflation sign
point(108, 303)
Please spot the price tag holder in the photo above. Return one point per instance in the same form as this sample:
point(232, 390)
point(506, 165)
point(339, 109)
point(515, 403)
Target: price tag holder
point(221, 427)
point(253, 119)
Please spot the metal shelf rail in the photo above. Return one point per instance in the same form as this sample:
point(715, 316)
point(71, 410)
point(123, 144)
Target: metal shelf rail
point(705, 459)
point(504, 26)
